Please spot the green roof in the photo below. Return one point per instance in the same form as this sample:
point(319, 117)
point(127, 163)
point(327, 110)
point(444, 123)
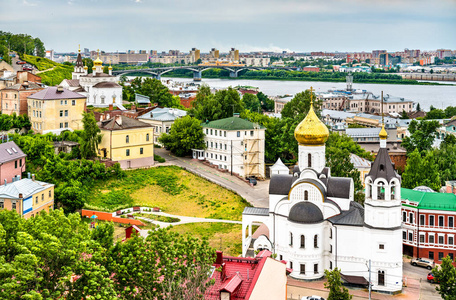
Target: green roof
point(427, 200)
point(232, 123)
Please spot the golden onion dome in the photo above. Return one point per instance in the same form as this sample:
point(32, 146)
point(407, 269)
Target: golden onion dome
point(311, 130)
point(97, 62)
point(110, 68)
point(85, 67)
point(383, 134)
point(93, 68)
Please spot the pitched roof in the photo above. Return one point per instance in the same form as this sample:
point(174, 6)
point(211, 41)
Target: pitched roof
point(232, 123)
point(72, 82)
point(51, 93)
point(79, 61)
point(24, 86)
point(354, 216)
point(359, 162)
point(382, 166)
point(429, 200)
point(26, 187)
point(121, 122)
point(106, 85)
point(10, 151)
point(258, 211)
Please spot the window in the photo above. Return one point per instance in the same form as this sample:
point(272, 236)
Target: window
point(216, 145)
point(215, 132)
point(309, 160)
point(141, 150)
point(211, 131)
point(147, 137)
point(422, 220)
point(410, 236)
point(441, 239)
point(66, 102)
point(225, 146)
point(61, 113)
point(42, 197)
point(316, 241)
point(1, 204)
point(441, 221)
point(50, 194)
point(281, 257)
point(404, 216)
point(381, 246)
point(66, 125)
point(224, 133)
point(66, 113)
point(330, 233)
point(330, 248)
point(61, 102)
point(13, 204)
point(440, 256)
point(306, 195)
point(450, 222)
point(291, 239)
point(431, 255)
point(303, 241)
point(216, 156)
point(127, 152)
point(36, 200)
point(381, 278)
point(251, 133)
point(127, 139)
point(421, 238)
point(411, 218)
point(431, 239)
point(431, 220)
point(315, 268)
point(291, 265)
point(20, 162)
point(302, 269)
point(73, 102)
point(451, 256)
point(15, 164)
point(212, 144)
point(238, 134)
point(225, 159)
point(450, 240)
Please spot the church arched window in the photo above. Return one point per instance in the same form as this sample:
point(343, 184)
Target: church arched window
point(306, 195)
point(303, 241)
point(316, 241)
point(291, 239)
point(309, 160)
point(330, 233)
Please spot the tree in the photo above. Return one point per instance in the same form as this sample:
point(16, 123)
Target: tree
point(251, 102)
point(299, 106)
point(185, 134)
point(88, 63)
point(266, 103)
point(91, 136)
point(165, 265)
point(421, 171)
point(404, 115)
point(445, 275)
point(155, 90)
point(334, 284)
point(341, 166)
point(422, 135)
point(104, 234)
point(216, 106)
point(418, 107)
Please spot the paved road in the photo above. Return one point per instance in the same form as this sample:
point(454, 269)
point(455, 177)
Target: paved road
point(258, 195)
point(427, 289)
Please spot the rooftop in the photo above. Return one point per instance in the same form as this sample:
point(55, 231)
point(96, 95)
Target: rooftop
point(121, 122)
point(26, 187)
point(232, 123)
point(55, 93)
point(10, 151)
point(429, 200)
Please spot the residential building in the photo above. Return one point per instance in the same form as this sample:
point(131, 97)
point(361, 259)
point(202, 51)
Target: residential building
point(311, 69)
point(127, 141)
point(26, 76)
point(256, 278)
point(162, 118)
point(27, 196)
point(362, 165)
point(255, 61)
point(235, 145)
point(428, 223)
point(14, 98)
point(314, 223)
point(193, 56)
point(56, 109)
point(12, 162)
point(233, 55)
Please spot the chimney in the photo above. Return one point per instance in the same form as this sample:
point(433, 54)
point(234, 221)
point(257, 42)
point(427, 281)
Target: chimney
point(20, 195)
point(155, 104)
point(119, 120)
point(223, 275)
point(110, 107)
point(219, 258)
point(60, 89)
point(33, 177)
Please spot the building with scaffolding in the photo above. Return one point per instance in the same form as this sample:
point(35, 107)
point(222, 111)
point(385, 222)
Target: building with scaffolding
point(235, 145)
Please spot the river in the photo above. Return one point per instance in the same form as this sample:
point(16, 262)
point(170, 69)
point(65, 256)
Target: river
point(426, 95)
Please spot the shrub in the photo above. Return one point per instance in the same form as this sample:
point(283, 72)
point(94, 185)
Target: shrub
point(159, 158)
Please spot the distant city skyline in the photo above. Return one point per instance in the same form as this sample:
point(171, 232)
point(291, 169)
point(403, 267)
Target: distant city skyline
point(255, 25)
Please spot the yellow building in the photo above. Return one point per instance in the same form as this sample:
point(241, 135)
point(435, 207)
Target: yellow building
point(27, 196)
point(127, 141)
point(55, 109)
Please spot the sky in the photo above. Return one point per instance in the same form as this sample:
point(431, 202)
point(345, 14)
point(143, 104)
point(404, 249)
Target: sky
point(247, 25)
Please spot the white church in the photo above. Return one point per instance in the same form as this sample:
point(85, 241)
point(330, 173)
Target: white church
point(101, 89)
point(313, 223)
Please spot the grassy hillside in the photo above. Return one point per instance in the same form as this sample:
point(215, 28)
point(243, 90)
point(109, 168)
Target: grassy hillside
point(57, 72)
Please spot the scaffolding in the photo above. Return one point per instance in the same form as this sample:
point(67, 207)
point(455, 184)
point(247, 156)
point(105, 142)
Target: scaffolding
point(252, 157)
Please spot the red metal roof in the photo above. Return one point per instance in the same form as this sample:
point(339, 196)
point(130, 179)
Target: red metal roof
point(246, 269)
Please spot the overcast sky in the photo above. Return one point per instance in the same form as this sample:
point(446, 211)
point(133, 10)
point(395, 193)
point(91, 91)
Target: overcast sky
point(248, 25)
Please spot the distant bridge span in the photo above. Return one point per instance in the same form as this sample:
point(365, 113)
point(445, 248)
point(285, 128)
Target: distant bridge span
point(197, 70)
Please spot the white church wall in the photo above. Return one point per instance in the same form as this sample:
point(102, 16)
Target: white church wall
point(298, 193)
point(273, 200)
point(317, 154)
point(342, 202)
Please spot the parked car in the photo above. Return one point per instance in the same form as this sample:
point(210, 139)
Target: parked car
point(312, 298)
point(430, 278)
point(252, 180)
point(423, 262)
point(27, 68)
point(21, 62)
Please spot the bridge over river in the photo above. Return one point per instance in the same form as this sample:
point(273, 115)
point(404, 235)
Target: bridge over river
point(197, 70)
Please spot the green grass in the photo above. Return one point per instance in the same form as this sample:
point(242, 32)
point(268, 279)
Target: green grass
point(158, 218)
point(172, 189)
point(57, 75)
point(40, 63)
point(221, 236)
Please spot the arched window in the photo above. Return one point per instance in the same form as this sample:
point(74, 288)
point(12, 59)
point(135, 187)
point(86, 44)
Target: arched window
point(147, 137)
point(291, 239)
point(381, 278)
point(306, 195)
point(127, 139)
point(316, 241)
point(404, 216)
point(380, 191)
point(309, 160)
point(330, 233)
point(303, 241)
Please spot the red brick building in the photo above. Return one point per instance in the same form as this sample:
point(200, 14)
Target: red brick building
point(14, 98)
point(428, 224)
